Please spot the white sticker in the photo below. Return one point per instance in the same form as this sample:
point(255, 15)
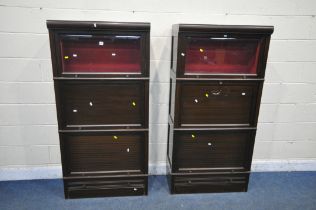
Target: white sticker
point(101, 43)
point(74, 55)
point(75, 110)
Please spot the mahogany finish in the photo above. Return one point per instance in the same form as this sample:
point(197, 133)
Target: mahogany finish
point(223, 62)
point(88, 104)
point(99, 49)
point(110, 186)
point(210, 103)
point(101, 77)
point(216, 80)
point(109, 152)
point(216, 149)
point(233, 182)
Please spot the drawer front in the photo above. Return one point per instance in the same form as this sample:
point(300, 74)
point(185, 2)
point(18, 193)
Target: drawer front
point(87, 154)
point(99, 187)
point(210, 183)
point(103, 104)
point(207, 104)
point(210, 150)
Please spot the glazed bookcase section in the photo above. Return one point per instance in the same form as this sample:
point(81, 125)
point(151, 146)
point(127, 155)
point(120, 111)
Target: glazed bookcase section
point(105, 153)
point(202, 151)
point(221, 55)
point(97, 104)
point(216, 103)
point(212, 51)
point(105, 50)
point(101, 54)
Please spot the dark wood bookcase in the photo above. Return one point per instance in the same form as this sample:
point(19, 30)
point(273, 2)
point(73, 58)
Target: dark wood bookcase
point(217, 75)
point(101, 79)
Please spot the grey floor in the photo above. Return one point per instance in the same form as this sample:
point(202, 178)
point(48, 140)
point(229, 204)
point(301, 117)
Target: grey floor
point(295, 190)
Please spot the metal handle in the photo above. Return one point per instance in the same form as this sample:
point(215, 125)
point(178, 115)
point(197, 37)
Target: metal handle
point(216, 92)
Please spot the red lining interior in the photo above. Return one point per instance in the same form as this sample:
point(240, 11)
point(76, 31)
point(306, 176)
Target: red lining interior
point(204, 55)
point(113, 56)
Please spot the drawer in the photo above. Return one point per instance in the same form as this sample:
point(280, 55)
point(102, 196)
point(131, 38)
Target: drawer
point(216, 103)
point(210, 183)
point(97, 104)
point(105, 153)
point(99, 187)
point(212, 150)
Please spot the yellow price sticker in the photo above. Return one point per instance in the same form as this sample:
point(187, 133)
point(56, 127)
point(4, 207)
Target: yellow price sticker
point(66, 57)
point(115, 137)
point(206, 95)
point(134, 103)
point(193, 136)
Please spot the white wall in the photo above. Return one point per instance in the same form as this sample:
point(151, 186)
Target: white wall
point(28, 132)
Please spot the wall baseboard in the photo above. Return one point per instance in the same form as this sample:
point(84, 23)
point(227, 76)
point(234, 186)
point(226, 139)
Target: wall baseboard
point(55, 172)
point(28, 173)
point(283, 165)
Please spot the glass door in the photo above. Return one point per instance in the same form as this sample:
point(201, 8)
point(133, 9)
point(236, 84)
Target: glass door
point(107, 54)
point(221, 55)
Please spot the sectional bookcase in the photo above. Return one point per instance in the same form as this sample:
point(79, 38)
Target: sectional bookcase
point(101, 77)
point(217, 75)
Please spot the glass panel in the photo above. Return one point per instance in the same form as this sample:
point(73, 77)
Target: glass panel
point(101, 54)
point(221, 56)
